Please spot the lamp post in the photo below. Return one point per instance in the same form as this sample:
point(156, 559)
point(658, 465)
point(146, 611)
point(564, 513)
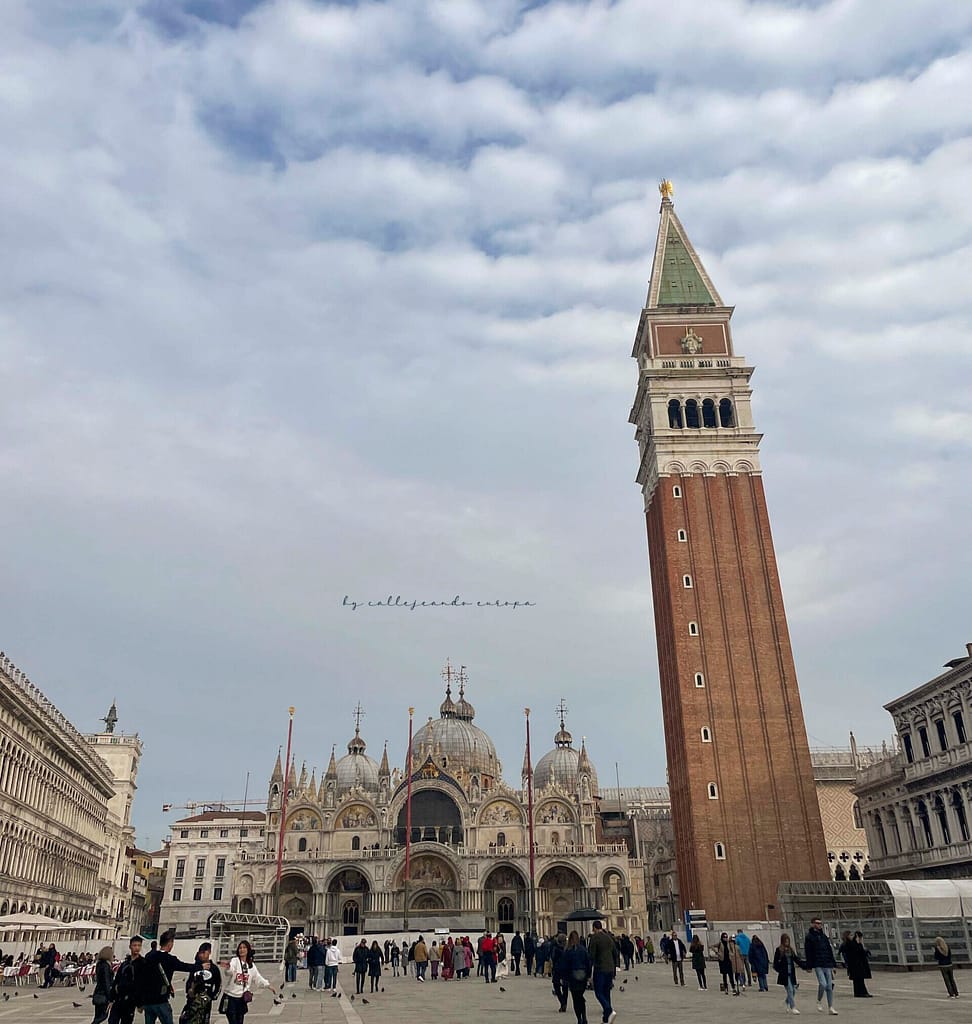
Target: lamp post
point(533, 884)
point(408, 824)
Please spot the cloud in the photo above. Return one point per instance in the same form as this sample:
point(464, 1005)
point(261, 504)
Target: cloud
point(304, 300)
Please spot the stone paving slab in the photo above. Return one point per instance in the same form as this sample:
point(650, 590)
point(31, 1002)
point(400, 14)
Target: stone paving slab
point(652, 999)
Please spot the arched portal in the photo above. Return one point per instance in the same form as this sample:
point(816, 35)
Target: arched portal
point(507, 900)
point(560, 890)
point(347, 887)
point(435, 819)
point(296, 900)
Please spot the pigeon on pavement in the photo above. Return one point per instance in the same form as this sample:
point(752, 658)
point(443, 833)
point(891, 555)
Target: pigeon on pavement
point(502, 989)
point(77, 1006)
point(365, 1001)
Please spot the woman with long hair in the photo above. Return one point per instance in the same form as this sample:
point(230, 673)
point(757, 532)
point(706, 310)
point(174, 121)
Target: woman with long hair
point(943, 955)
point(723, 953)
point(697, 952)
point(858, 969)
point(375, 961)
point(240, 977)
point(104, 976)
point(578, 968)
point(785, 963)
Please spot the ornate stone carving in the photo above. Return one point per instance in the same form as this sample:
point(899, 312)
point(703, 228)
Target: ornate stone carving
point(357, 816)
point(502, 812)
point(691, 343)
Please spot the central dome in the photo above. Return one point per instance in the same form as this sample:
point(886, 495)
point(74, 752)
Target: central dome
point(453, 740)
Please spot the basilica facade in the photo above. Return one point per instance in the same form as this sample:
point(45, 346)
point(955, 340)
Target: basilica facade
point(344, 862)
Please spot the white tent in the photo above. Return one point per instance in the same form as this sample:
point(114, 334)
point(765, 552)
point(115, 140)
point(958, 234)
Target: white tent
point(29, 923)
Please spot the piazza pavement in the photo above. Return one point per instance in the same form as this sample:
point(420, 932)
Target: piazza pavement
point(652, 998)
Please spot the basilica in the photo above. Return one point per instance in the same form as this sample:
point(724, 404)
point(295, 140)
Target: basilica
point(345, 839)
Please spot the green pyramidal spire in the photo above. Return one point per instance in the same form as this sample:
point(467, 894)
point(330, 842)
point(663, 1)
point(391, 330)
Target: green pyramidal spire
point(677, 276)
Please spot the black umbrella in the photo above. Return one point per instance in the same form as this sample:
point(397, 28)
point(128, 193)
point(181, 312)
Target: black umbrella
point(585, 914)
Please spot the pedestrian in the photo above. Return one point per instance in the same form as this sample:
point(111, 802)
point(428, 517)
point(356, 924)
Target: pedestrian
point(759, 961)
point(240, 977)
point(858, 969)
point(48, 964)
point(664, 943)
point(104, 976)
point(332, 960)
point(742, 944)
point(529, 951)
point(291, 958)
point(650, 950)
point(126, 984)
point(559, 970)
point(785, 963)
point(697, 952)
point(156, 980)
point(943, 956)
point(543, 949)
point(202, 987)
point(819, 955)
point(723, 954)
point(435, 957)
point(676, 954)
point(502, 969)
point(447, 955)
point(737, 964)
point(577, 969)
point(516, 951)
point(316, 957)
point(420, 955)
point(375, 962)
point(601, 948)
point(396, 958)
point(360, 960)
point(627, 949)
point(487, 957)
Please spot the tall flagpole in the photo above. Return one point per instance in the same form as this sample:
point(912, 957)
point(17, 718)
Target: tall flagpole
point(533, 886)
point(408, 823)
point(283, 815)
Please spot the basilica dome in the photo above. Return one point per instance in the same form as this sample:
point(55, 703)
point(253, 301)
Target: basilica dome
point(562, 764)
point(356, 768)
point(454, 742)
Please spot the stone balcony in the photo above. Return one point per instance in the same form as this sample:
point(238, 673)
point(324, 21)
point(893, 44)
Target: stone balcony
point(924, 768)
point(880, 771)
point(916, 860)
point(499, 852)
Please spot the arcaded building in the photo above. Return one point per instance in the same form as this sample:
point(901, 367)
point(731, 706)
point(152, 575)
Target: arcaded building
point(345, 839)
point(744, 807)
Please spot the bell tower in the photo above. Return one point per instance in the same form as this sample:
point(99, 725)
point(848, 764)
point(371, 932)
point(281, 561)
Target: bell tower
point(744, 805)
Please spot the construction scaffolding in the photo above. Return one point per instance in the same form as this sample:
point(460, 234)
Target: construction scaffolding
point(267, 935)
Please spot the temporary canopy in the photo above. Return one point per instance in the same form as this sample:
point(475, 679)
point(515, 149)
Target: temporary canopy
point(29, 923)
point(85, 925)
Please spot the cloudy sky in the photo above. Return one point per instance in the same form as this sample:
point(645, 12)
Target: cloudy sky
point(302, 300)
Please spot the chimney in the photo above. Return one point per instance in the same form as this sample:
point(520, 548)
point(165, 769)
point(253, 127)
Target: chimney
point(968, 647)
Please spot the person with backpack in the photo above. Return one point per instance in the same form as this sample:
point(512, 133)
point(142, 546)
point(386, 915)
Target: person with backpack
point(202, 987)
point(104, 979)
point(125, 984)
point(577, 969)
point(155, 981)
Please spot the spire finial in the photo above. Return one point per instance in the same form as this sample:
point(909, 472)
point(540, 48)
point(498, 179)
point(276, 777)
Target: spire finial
point(667, 190)
point(358, 714)
point(462, 681)
point(447, 676)
point(561, 709)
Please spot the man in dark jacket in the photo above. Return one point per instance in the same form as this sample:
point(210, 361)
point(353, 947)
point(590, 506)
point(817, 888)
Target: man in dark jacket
point(601, 947)
point(529, 951)
point(155, 982)
point(516, 951)
point(126, 984)
point(676, 954)
point(820, 959)
point(315, 965)
point(48, 964)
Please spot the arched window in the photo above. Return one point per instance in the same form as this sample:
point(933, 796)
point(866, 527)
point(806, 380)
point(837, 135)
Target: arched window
point(958, 808)
point(693, 629)
point(505, 914)
point(682, 536)
point(692, 419)
point(879, 828)
point(356, 842)
point(675, 413)
point(925, 824)
point(676, 491)
point(943, 819)
point(713, 791)
point(706, 734)
point(839, 875)
point(959, 726)
point(699, 680)
point(853, 875)
point(857, 815)
point(720, 851)
point(555, 838)
point(895, 832)
point(725, 413)
point(501, 839)
point(687, 582)
point(350, 914)
point(942, 737)
point(302, 845)
point(908, 748)
point(708, 413)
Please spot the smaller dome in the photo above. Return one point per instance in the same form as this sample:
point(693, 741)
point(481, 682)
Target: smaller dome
point(447, 709)
point(356, 768)
point(562, 764)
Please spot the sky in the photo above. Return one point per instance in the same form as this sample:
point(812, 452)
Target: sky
point(303, 302)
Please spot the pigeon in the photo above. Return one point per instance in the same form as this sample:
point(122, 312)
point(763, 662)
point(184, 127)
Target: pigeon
point(77, 1006)
point(339, 995)
point(365, 1001)
point(351, 997)
point(502, 989)
point(334, 995)
point(293, 995)
point(6, 998)
point(36, 996)
point(383, 989)
point(636, 977)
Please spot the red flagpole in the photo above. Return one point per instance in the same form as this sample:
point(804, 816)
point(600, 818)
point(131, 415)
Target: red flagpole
point(408, 821)
point(283, 813)
point(533, 889)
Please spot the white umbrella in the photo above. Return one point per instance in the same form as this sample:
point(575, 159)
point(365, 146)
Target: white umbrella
point(29, 923)
point(85, 925)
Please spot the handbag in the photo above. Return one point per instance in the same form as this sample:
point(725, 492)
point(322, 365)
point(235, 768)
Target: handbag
point(224, 1003)
point(99, 999)
point(248, 996)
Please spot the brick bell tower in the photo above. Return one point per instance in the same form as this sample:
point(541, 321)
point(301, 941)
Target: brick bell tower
point(744, 805)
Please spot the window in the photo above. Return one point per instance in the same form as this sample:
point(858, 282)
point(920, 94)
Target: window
point(720, 851)
point(200, 867)
point(692, 418)
point(301, 845)
point(959, 726)
point(857, 815)
point(220, 867)
point(908, 749)
point(263, 832)
point(708, 413)
point(925, 824)
point(184, 833)
point(244, 832)
point(958, 807)
point(181, 867)
point(699, 680)
point(940, 729)
point(676, 491)
point(224, 833)
point(725, 413)
point(218, 893)
point(687, 582)
point(693, 629)
point(706, 734)
point(176, 895)
point(882, 839)
point(197, 895)
point(682, 536)
point(501, 839)
point(942, 820)
point(923, 736)
point(713, 791)
point(204, 833)
point(675, 414)
point(356, 842)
